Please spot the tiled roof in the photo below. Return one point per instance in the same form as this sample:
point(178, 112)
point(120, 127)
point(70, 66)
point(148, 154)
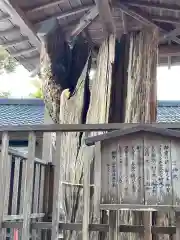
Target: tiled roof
point(168, 111)
point(31, 111)
point(21, 111)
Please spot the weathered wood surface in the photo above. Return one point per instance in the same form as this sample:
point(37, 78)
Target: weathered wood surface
point(3, 169)
point(115, 95)
point(79, 110)
point(27, 198)
point(140, 98)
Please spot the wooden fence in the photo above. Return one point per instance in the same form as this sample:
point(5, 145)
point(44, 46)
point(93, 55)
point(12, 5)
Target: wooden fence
point(25, 190)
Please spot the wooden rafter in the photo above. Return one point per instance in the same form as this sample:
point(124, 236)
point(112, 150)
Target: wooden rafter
point(85, 21)
point(4, 17)
point(12, 30)
point(43, 6)
point(14, 42)
point(156, 5)
point(20, 19)
point(143, 18)
point(23, 52)
point(175, 32)
point(66, 13)
point(166, 19)
point(106, 15)
point(124, 22)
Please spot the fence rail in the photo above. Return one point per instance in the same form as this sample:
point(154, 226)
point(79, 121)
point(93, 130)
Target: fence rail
point(26, 184)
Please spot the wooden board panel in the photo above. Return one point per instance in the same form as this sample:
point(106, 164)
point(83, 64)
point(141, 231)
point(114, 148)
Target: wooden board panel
point(122, 167)
point(157, 167)
point(175, 156)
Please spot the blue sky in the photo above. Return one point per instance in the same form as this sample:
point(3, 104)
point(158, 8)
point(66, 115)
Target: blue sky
point(19, 83)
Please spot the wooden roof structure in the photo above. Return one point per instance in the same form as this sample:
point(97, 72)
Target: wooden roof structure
point(21, 19)
point(131, 130)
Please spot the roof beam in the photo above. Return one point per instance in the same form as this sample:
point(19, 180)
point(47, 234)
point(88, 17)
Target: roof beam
point(42, 6)
point(4, 17)
point(14, 42)
point(143, 18)
point(66, 14)
point(85, 21)
point(124, 22)
point(166, 19)
point(20, 19)
point(8, 31)
point(23, 52)
point(175, 32)
point(169, 50)
point(157, 5)
point(106, 15)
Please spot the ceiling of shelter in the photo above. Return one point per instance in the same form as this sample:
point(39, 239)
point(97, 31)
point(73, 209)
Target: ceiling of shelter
point(21, 19)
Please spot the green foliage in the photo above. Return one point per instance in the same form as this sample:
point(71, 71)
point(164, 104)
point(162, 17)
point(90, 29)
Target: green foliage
point(7, 63)
point(38, 93)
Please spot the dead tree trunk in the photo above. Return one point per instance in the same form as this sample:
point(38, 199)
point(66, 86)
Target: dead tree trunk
point(123, 90)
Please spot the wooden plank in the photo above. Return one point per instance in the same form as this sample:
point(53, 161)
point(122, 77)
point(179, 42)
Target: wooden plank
point(39, 128)
point(7, 189)
point(144, 18)
point(7, 184)
point(3, 168)
point(15, 189)
point(22, 186)
point(84, 22)
point(177, 226)
point(156, 5)
point(147, 225)
point(14, 42)
point(15, 186)
point(21, 217)
point(106, 16)
point(43, 6)
point(20, 19)
point(92, 227)
point(86, 194)
point(113, 225)
point(97, 187)
point(175, 153)
point(138, 207)
point(41, 194)
point(66, 13)
point(23, 156)
point(57, 196)
point(23, 52)
point(122, 165)
point(157, 167)
point(27, 201)
point(36, 197)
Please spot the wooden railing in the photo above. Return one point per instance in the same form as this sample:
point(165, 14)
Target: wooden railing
point(22, 181)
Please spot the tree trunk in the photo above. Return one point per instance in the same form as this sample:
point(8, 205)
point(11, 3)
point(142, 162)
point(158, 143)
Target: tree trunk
point(123, 90)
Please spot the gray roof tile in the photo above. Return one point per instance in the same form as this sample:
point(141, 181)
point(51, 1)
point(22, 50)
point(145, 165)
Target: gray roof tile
point(21, 111)
point(31, 111)
point(168, 111)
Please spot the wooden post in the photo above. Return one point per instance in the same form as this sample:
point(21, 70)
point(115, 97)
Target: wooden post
point(147, 225)
point(28, 186)
point(3, 168)
point(113, 230)
point(36, 197)
point(97, 186)
point(57, 196)
point(177, 225)
point(15, 189)
point(86, 193)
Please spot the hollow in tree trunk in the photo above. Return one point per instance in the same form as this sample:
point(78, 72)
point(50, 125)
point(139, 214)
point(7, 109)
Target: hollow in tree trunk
point(123, 90)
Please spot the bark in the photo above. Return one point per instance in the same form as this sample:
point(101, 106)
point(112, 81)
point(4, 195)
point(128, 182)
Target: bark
point(123, 90)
